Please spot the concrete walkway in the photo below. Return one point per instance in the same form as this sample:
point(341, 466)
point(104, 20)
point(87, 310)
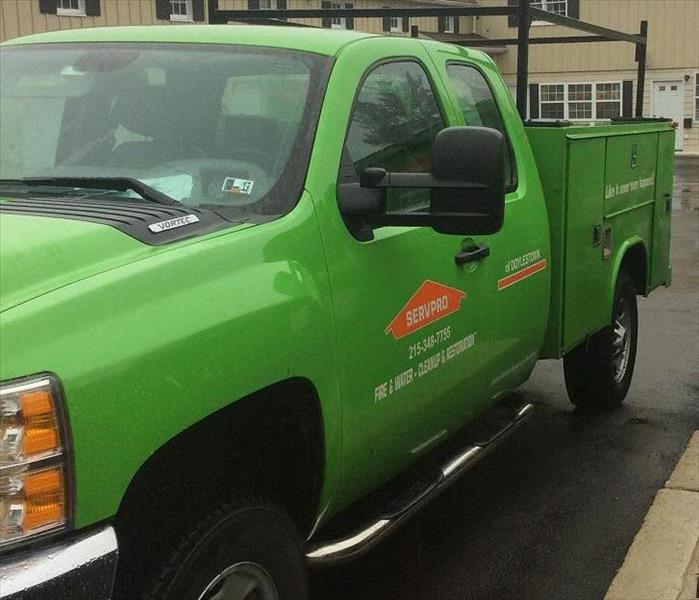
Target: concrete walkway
point(663, 560)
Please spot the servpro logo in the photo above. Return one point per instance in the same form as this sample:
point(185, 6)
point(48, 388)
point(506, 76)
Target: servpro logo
point(432, 302)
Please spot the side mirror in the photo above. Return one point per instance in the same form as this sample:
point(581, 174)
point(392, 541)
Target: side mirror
point(466, 183)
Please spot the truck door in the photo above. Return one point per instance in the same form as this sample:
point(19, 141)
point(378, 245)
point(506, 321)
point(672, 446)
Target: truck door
point(412, 326)
point(519, 253)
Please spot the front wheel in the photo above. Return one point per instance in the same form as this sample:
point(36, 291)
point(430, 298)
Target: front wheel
point(598, 372)
point(245, 550)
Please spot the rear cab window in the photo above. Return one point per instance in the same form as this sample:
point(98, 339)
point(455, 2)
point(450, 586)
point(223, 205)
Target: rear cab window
point(479, 108)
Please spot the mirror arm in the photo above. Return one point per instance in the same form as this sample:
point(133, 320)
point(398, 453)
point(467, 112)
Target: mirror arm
point(418, 219)
point(376, 177)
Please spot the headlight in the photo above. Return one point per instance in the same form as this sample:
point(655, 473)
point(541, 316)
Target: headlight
point(34, 477)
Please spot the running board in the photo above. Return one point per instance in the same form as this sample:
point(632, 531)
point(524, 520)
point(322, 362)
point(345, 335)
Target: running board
point(366, 537)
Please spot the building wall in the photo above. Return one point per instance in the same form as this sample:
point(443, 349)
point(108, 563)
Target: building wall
point(690, 135)
point(22, 17)
point(428, 24)
point(673, 50)
point(673, 35)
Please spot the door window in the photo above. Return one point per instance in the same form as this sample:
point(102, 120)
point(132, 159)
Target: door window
point(480, 109)
point(395, 120)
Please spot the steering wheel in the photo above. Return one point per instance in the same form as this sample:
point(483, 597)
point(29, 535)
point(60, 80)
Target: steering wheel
point(264, 160)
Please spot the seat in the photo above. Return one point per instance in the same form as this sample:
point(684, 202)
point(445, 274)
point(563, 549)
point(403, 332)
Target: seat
point(249, 138)
point(152, 114)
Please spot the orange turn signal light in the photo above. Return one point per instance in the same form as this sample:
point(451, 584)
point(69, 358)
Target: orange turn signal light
point(41, 433)
point(44, 499)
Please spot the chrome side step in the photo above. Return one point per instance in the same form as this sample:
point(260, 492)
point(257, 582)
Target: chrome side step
point(360, 541)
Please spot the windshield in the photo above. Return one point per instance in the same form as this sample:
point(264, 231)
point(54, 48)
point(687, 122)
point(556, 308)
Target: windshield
point(206, 125)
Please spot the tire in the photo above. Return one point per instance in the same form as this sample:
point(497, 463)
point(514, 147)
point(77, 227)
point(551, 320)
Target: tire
point(598, 372)
point(246, 544)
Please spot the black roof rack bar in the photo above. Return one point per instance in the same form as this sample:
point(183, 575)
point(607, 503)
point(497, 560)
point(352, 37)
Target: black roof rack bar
point(525, 15)
point(222, 16)
point(536, 14)
point(574, 39)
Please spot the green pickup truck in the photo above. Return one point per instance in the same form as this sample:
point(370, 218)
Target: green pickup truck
point(265, 292)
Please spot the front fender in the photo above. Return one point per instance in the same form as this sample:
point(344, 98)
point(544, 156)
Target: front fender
point(148, 349)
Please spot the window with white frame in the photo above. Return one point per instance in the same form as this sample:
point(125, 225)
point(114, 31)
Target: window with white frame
point(449, 26)
point(696, 97)
point(338, 22)
point(268, 4)
point(71, 8)
point(552, 101)
point(580, 101)
point(396, 24)
point(181, 10)
point(607, 100)
point(559, 7)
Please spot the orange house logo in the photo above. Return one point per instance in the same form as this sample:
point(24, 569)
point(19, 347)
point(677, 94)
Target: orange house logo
point(432, 302)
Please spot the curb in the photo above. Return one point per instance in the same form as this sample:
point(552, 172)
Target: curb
point(663, 560)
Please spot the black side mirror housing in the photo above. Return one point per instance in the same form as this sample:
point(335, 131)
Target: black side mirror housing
point(475, 156)
point(466, 182)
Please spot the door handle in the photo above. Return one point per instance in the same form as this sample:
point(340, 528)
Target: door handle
point(472, 254)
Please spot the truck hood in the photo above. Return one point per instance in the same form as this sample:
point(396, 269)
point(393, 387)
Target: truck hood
point(41, 254)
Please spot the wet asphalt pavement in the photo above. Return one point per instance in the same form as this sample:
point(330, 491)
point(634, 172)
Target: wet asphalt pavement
point(551, 514)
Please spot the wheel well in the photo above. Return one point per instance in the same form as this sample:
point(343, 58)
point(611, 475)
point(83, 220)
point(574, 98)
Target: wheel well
point(634, 263)
point(269, 443)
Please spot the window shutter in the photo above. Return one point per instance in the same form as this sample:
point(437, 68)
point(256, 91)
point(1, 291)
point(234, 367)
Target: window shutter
point(512, 20)
point(456, 24)
point(198, 10)
point(441, 24)
point(386, 21)
point(48, 7)
point(406, 24)
point(574, 9)
point(162, 10)
point(627, 98)
point(253, 4)
point(327, 21)
point(349, 21)
point(92, 8)
point(533, 100)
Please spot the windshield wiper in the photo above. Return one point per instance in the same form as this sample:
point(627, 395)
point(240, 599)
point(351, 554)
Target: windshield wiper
point(119, 184)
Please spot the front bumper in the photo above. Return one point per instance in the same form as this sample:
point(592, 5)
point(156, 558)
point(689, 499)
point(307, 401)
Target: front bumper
point(81, 568)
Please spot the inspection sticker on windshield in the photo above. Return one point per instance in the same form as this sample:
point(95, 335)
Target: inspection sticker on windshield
point(161, 226)
point(233, 185)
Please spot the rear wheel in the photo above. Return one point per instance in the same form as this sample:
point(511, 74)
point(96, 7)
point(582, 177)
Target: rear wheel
point(598, 372)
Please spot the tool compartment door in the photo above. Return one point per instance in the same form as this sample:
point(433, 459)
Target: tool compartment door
point(585, 271)
point(630, 193)
point(660, 262)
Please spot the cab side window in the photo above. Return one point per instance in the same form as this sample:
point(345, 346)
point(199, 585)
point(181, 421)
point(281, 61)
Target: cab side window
point(395, 120)
point(480, 109)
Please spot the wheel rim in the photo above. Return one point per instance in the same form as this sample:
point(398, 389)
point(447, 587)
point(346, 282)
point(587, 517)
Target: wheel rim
point(241, 581)
point(622, 340)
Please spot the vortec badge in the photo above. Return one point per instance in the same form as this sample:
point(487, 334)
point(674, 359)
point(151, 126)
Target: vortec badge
point(173, 223)
point(432, 302)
